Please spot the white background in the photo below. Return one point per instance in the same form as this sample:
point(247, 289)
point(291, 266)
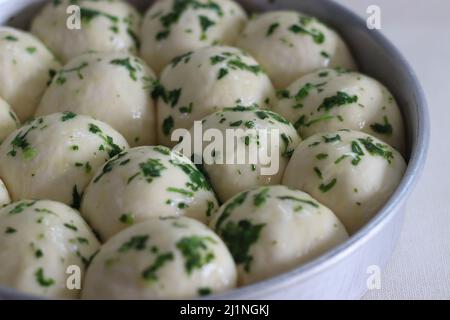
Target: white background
point(420, 267)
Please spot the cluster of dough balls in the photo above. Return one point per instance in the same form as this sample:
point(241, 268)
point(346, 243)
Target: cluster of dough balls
point(105, 25)
point(173, 27)
point(199, 83)
point(271, 150)
point(150, 205)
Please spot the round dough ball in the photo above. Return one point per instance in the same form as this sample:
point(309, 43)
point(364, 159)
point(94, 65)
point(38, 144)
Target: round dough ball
point(172, 28)
point(106, 25)
point(26, 66)
point(330, 100)
point(55, 157)
point(273, 229)
point(8, 120)
point(4, 194)
point(145, 182)
point(289, 44)
point(170, 258)
point(227, 174)
point(351, 172)
point(112, 87)
point(42, 245)
point(208, 80)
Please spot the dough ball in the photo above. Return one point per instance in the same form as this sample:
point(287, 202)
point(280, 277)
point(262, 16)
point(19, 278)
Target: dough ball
point(145, 182)
point(289, 44)
point(173, 27)
point(258, 158)
point(55, 157)
point(26, 66)
point(208, 80)
point(42, 245)
point(330, 100)
point(170, 258)
point(112, 87)
point(8, 120)
point(4, 194)
point(106, 25)
point(351, 172)
point(273, 229)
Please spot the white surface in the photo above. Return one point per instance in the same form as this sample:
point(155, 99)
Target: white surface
point(420, 267)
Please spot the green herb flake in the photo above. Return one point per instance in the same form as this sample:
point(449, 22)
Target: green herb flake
point(326, 187)
point(195, 251)
point(239, 237)
point(10, 230)
point(149, 274)
point(384, 128)
point(272, 28)
point(261, 197)
point(42, 280)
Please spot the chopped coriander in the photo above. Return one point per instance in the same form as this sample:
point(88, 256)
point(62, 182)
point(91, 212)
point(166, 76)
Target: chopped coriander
point(42, 280)
point(326, 187)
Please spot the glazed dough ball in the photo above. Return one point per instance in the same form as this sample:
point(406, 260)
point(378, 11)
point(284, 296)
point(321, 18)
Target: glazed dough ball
point(206, 81)
point(55, 157)
point(352, 173)
point(4, 194)
point(8, 120)
point(289, 44)
point(170, 258)
point(145, 182)
point(172, 28)
point(26, 66)
point(39, 241)
point(273, 229)
point(106, 25)
point(330, 100)
point(229, 175)
point(111, 87)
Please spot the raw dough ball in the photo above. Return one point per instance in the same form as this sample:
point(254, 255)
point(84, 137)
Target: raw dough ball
point(229, 177)
point(145, 182)
point(8, 120)
point(330, 100)
point(351, 172)
point(4, 194)
point(112, 87)
point(55, 157)
point(208, 80)
point(174, 27)
point(170, 258)
point(106, 25)
point(39, 241)
point(289, 44)
point(26, 66)
point(273, 229)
